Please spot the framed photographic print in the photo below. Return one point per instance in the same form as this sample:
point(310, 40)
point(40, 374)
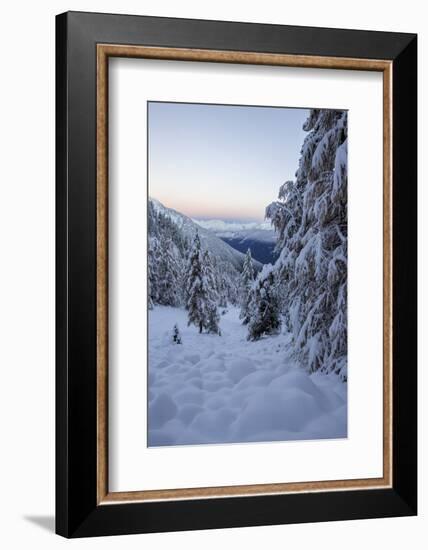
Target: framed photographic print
point(236, 274)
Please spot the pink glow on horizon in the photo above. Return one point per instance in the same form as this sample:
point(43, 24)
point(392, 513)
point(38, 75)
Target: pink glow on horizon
point(221, 210)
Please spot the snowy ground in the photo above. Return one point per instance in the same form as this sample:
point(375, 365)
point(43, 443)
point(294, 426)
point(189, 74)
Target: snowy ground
point(224, 389)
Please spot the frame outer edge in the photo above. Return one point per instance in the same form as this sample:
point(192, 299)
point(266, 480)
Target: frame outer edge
point(104, 52)
point(405, 274)
point(265, 37)
point(77, 513)
point(61, 268)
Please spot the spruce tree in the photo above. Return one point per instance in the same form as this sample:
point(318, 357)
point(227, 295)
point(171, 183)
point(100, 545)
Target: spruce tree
point(168, 273)
point(211, 295)
point(196, 288)
point(152, 268)
point(176, 336)
point(220, 282)
point(247, 279)
point(264, 312)
point(310, 218)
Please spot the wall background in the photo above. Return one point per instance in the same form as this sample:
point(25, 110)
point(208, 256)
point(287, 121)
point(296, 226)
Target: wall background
point(27, 242)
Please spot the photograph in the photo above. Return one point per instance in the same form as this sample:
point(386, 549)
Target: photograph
point(247, 273)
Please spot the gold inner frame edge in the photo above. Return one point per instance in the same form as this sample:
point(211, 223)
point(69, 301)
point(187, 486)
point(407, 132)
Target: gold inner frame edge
point(104, 52)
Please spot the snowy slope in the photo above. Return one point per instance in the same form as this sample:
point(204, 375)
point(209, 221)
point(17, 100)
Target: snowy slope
point(209, 241)
point(224, 389)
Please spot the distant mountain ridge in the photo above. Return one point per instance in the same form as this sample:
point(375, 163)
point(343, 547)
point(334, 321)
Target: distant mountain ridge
point(221, 226)
point(260, 238)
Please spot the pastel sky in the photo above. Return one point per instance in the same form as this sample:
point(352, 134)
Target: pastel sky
point(219, 161)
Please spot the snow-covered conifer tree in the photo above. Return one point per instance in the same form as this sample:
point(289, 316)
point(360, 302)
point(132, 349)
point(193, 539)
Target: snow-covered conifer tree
point(152, 266)
point(169, 274)
point(220, 282)
point(211, 295)
point(264, 312)
point(176, 336)
point(196, 287)
point(247, 279)
point(311, 220)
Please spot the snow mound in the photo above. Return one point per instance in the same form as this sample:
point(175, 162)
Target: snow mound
point(277, 410)
point(240, 368)
point(162, 409)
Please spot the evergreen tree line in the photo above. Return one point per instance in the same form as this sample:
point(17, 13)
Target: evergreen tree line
point(169, 266)
point(306, 288)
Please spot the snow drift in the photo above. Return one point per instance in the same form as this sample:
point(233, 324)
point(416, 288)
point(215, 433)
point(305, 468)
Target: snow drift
point(213, 389)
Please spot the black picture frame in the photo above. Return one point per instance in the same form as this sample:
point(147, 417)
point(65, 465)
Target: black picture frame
point(77, 511)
